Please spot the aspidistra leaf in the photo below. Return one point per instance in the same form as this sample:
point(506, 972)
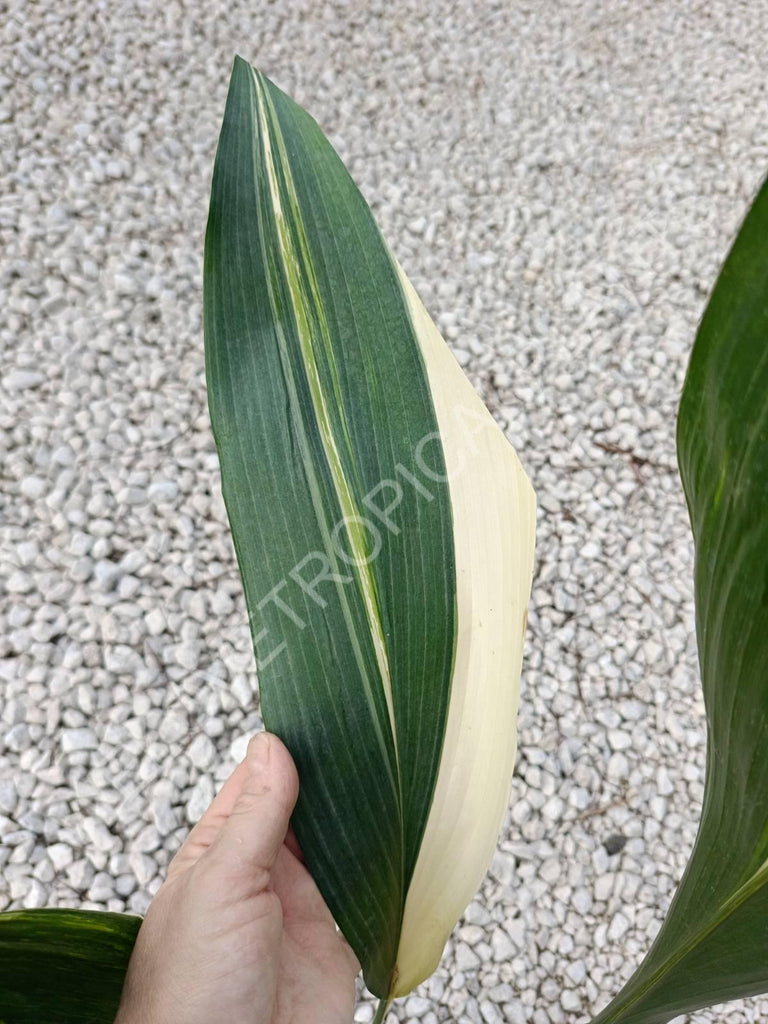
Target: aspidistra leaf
point(384, 532)
point(713, 945)
point(63, 966)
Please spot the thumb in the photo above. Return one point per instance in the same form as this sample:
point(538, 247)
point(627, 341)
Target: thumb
point(250, 839)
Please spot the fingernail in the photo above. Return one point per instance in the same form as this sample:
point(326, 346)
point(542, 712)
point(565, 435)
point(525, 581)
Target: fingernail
point(258, 749)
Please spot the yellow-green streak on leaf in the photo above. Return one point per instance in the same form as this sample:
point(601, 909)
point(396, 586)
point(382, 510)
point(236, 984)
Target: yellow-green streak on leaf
point(297, 267)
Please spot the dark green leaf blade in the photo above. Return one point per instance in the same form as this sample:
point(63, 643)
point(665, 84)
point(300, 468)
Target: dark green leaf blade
point(713, 945)
point(63, 966)
point(318, 393)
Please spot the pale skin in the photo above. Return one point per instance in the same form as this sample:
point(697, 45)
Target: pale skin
point(239, 931)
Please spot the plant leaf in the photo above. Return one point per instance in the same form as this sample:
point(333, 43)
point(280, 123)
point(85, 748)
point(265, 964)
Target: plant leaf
point(375, 578)
point(63, 966)
point(713, 945)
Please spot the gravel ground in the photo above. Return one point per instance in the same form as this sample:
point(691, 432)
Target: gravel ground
point(561, 181)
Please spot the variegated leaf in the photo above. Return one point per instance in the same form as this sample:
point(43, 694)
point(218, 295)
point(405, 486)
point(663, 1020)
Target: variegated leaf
point(384, 532)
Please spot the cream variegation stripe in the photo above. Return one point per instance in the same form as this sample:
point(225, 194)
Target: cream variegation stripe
point(494, 514)
point(293, 264)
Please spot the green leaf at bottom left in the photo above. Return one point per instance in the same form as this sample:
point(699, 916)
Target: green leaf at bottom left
point(63, 966)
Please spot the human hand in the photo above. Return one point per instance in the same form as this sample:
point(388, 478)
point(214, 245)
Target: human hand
point(239, 931)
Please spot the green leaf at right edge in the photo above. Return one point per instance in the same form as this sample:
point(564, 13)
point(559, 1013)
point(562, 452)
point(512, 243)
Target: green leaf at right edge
point(713, 945)
point(63, 966)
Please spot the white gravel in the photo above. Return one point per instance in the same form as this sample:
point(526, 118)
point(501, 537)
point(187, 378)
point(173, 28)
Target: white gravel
point(561, 181)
